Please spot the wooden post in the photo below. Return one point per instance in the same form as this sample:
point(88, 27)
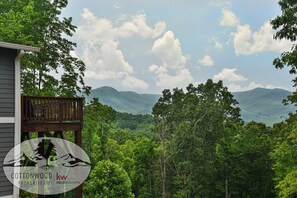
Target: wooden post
point(78, 141)
point(40, 189)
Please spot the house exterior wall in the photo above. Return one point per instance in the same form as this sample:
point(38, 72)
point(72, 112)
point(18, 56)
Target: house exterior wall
point(7, 82)
point(7, 112)
point(6, 143)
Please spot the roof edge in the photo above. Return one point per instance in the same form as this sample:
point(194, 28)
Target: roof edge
point(19, 47)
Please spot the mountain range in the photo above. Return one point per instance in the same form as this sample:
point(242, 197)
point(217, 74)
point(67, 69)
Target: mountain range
point(260, 104)
point(264, 105)
point(125, 101)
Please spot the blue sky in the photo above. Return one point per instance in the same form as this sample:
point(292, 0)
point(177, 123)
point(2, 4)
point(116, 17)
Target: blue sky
point(149, 45)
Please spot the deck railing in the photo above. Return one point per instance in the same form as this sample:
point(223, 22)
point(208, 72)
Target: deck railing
point(51, 109)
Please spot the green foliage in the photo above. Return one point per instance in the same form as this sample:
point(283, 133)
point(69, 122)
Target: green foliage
point(132, 151)
point(136, 156)
point(286, 26)
point(285, 158)
point(38, 23)
point(191, 127)
point(288, 186)
point(136, 124)
point(97, 119)
point(251, 160)
point(108, 180)
point(284, 154)
point(133, 122)
point(200, 147)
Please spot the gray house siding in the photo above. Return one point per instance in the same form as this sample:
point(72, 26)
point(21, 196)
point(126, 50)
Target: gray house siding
point(7, 100)
point(7, 82)
point(6, 143)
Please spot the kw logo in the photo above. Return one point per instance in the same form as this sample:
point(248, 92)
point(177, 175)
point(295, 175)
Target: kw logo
point(61, 177)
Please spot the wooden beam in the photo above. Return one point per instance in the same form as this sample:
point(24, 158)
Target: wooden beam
point(34, 127)
point(78, 141)
point(41, 188)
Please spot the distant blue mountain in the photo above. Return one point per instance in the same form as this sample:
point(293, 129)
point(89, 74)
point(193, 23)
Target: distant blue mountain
point(125, 101)
point(264, 105)
point(261, 105)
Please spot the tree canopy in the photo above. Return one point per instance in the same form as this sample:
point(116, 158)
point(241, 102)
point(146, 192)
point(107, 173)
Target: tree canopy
point(54, 71)
point(286, 26)
point(284, 154)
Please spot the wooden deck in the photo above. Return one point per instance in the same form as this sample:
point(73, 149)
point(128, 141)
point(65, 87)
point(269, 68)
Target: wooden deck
point(41, 114)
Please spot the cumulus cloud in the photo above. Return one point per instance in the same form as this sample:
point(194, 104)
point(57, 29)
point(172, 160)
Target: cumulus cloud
point(229, 18)
point(171, 72)
point(235, 88)
point(252, 85)
point(134, 83)
point(158, 69)
point(101, 53)
point(168, 50)
point(206, 61)
point(102, 29)
point(138, 26)
point(104, 75)
point(248, 42)
point(229, 74)
point(181, 78)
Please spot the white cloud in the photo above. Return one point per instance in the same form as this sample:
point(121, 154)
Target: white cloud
point(134, 83)
point(138, 26)
point(236, 88)
point(168, 50)
point(248, 42)
point(96, 29)
point(105, 58)
point(158, 69)
point(229, 74)
point(181, 78)
point(250, 86)
point(229, 18)
point(172, 72)
point(104, 75)
point(101, 53)
point(102, 29)
point(206, 61)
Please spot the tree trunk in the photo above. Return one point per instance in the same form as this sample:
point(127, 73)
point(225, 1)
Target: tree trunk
point(227, 195)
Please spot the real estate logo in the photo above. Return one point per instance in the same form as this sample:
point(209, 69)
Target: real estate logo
point(47, 166)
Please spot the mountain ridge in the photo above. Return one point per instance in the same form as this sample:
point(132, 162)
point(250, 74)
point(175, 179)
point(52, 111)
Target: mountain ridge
point(259, 104)
point(125, 101)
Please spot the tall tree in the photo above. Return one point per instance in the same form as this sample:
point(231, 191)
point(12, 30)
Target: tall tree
point(249, 157)
point(192, 125)
point(286, 26)
point(38, 23)
point(97, 124)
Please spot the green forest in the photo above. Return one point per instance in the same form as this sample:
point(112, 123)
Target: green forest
point(193, 144)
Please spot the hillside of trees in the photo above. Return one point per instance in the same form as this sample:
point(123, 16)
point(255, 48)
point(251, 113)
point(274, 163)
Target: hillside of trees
point(194, 144)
